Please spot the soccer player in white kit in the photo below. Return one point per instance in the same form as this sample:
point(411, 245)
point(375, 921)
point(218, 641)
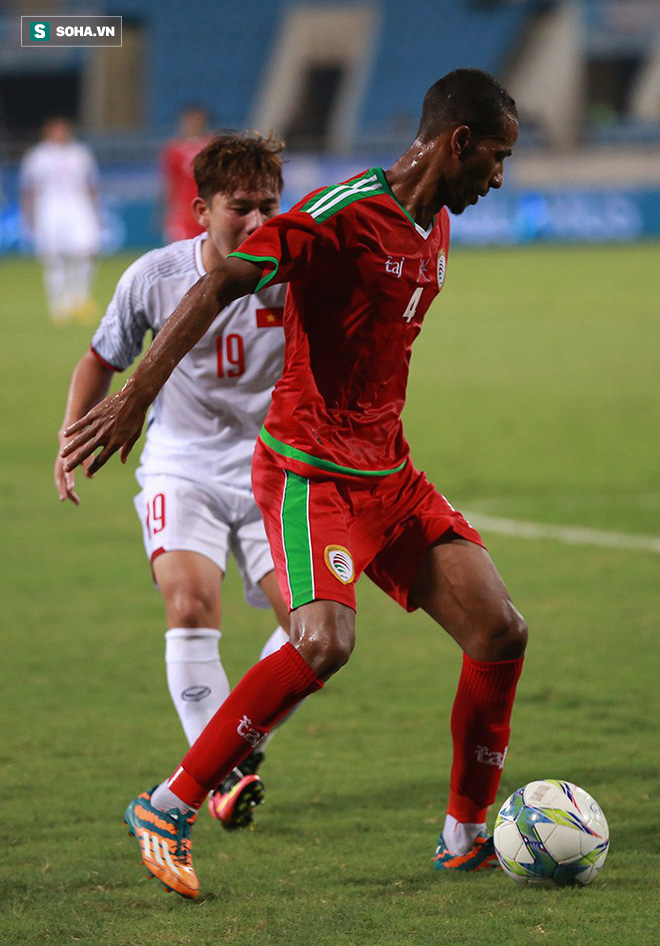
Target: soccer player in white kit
point(58, 182)
point(196, 504)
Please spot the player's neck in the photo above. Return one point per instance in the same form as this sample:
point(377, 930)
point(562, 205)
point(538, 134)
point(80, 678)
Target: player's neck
point(414, 181)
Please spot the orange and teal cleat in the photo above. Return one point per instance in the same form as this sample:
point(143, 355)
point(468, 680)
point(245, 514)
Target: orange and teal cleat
point(234, 803)
point(481, 856)
point(165, 844)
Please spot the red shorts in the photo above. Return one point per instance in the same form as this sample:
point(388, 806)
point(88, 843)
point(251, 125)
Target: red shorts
point(325, 530)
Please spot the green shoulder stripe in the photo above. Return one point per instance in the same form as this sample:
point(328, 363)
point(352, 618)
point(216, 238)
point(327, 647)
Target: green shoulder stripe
point(285, 450)
point(258, 259)
point(332, 199)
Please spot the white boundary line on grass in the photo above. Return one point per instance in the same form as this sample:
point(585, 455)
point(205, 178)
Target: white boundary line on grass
point(571, 535)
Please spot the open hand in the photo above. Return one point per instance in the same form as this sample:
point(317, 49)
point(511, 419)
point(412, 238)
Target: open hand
point(114, 424)
point(65, 481)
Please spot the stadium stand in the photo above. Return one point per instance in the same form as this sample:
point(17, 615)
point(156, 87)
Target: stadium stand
point(343, 82)
point(439, 36)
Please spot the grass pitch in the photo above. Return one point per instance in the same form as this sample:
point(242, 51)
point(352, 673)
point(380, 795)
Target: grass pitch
point(534, 397)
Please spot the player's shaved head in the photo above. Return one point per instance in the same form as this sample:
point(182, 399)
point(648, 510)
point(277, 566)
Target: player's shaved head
point(239, 162)
point(465, 97)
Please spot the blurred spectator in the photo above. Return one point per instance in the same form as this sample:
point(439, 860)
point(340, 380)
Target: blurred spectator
point(179, 187)
point(58, 181)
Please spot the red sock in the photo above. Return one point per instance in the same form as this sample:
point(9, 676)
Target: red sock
point(480, 730)
point(265, 694)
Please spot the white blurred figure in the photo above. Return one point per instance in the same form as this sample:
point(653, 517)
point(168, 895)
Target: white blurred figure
point(58, 181)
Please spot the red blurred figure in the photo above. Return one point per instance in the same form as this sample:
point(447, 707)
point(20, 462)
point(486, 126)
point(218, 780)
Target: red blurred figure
point(180, 189)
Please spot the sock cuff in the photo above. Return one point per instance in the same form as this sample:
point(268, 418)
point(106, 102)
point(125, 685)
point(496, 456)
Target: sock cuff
point(293, 671)
point(491, 678)
point(187, 788)
point(197, 644)
point(465, 810)
point(493, 666)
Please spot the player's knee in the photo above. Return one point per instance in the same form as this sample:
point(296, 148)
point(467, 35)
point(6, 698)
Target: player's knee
point(327, 648)
point(505, 637)
point(331, 657)
point(191, 607)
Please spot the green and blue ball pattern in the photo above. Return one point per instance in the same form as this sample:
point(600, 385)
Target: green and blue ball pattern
point(551, 833)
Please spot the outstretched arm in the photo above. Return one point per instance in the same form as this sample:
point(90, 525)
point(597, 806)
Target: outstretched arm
point(90, 383)
point(116, 423)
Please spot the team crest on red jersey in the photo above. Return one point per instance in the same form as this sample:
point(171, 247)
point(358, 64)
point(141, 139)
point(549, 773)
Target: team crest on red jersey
point(441, 268)
point(339, 561)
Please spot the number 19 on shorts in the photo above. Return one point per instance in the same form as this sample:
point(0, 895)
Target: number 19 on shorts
point(156, 514)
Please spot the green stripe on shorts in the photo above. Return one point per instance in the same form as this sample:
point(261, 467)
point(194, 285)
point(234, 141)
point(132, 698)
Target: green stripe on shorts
point(296, 539)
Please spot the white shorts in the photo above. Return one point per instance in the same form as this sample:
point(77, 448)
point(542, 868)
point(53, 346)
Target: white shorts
point(182, 515)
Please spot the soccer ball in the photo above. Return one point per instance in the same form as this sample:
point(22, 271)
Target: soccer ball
point(551, 833)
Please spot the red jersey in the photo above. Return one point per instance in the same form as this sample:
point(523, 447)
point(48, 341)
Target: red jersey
point(361, 276)
point(180, 187)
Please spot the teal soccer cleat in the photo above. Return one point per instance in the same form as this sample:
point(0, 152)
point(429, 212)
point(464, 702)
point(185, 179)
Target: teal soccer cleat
point(165, 845)
point(481, 856)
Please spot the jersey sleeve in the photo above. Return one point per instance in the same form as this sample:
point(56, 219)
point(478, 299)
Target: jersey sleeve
point(118, 339)
point(285, 246)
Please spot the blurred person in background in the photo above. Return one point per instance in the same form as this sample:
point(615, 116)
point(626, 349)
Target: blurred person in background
point(58, 184)
point(196, 505)
point(178, 180)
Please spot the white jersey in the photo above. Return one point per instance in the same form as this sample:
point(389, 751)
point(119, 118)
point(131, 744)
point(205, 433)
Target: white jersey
point(205, 421)
point(61, 179)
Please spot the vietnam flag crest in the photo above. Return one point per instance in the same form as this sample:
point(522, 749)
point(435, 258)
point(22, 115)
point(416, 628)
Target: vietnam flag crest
point(270, 318)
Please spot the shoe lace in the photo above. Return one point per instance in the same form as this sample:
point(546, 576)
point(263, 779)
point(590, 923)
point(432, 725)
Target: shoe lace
point(183, 850)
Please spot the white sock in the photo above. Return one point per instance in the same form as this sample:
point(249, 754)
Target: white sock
point(459, 835)
point(165, 800)
point(196, 678)
point(55, 281)
point(79, 279)
point(277, 639)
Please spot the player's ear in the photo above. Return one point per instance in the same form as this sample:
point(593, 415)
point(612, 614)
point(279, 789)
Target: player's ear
point(460, 141)
point(201, 212)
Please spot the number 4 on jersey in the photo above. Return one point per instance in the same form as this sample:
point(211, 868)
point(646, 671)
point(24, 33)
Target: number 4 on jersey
point(411, 308)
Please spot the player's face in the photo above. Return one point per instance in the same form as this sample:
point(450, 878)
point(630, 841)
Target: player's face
point(479, 167)
point(58, 130)
point(193, 124)
point(231, 218)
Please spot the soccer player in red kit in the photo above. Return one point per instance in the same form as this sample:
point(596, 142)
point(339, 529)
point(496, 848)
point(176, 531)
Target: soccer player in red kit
point(332, 472)
point(178, 179)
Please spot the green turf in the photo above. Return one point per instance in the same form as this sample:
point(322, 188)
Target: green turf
point(534, 396)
